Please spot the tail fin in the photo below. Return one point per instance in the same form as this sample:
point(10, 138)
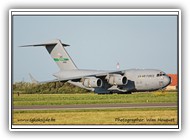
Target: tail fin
point(59, 54)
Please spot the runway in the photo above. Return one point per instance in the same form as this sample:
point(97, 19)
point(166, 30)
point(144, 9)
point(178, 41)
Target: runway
point(95, 106)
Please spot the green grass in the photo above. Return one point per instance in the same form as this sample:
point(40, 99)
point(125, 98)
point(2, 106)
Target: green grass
point(98, 116)
point(64, 99)
point(95, 116)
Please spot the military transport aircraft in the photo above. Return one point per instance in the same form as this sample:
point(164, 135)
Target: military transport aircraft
point(99, 81)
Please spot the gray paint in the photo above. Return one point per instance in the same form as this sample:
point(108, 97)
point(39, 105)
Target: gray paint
point(138, 79)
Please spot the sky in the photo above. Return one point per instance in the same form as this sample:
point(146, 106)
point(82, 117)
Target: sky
point(96, 42)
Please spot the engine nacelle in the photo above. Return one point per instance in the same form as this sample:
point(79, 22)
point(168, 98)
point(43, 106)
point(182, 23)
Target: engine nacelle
point(92, 82)
point(117, 80)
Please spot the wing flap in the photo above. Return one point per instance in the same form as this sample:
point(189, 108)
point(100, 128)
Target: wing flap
point(78, 78)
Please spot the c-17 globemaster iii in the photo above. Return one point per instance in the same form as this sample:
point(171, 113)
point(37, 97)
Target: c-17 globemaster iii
point(99, 81)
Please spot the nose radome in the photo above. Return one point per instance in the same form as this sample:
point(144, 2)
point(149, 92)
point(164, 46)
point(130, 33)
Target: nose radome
point(169, 80)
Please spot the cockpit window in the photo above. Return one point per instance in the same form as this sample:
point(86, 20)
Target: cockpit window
point(161, 74)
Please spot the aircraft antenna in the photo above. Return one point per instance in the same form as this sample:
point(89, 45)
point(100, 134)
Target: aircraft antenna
point(118, 66)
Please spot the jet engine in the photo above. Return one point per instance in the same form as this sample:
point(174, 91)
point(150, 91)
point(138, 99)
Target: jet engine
point(117, 79)
point(92, 82)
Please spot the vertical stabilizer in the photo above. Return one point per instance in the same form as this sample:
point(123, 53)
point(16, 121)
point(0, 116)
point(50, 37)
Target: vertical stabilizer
point(59, 54)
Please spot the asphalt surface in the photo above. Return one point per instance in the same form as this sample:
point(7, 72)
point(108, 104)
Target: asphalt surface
point(94, 106)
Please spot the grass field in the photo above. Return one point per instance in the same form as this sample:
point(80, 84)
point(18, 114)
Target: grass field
point(63, 99)
point(96, 116)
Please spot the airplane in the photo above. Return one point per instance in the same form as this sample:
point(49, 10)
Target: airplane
point(101, 81)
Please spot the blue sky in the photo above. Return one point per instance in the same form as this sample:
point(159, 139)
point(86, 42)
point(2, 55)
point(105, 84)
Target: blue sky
point(96, 42)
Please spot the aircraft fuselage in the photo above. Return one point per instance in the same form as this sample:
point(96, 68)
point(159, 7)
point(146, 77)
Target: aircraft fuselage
point(99, 81)
point(137, 80)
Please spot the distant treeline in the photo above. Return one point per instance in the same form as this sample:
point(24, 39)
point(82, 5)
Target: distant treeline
point(50, 88)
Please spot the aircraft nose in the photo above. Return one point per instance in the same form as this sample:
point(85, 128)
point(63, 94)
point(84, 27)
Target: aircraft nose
point(168, 80)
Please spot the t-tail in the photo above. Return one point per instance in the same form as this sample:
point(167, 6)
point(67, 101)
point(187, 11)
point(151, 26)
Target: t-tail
point(58, 53)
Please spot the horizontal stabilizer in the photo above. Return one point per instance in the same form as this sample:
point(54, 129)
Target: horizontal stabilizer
point(58, 53)
point(50, 43)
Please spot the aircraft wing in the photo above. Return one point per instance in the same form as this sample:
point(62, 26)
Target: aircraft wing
point(78, 78)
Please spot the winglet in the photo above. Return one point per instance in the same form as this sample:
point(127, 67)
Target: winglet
point(34, 81)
